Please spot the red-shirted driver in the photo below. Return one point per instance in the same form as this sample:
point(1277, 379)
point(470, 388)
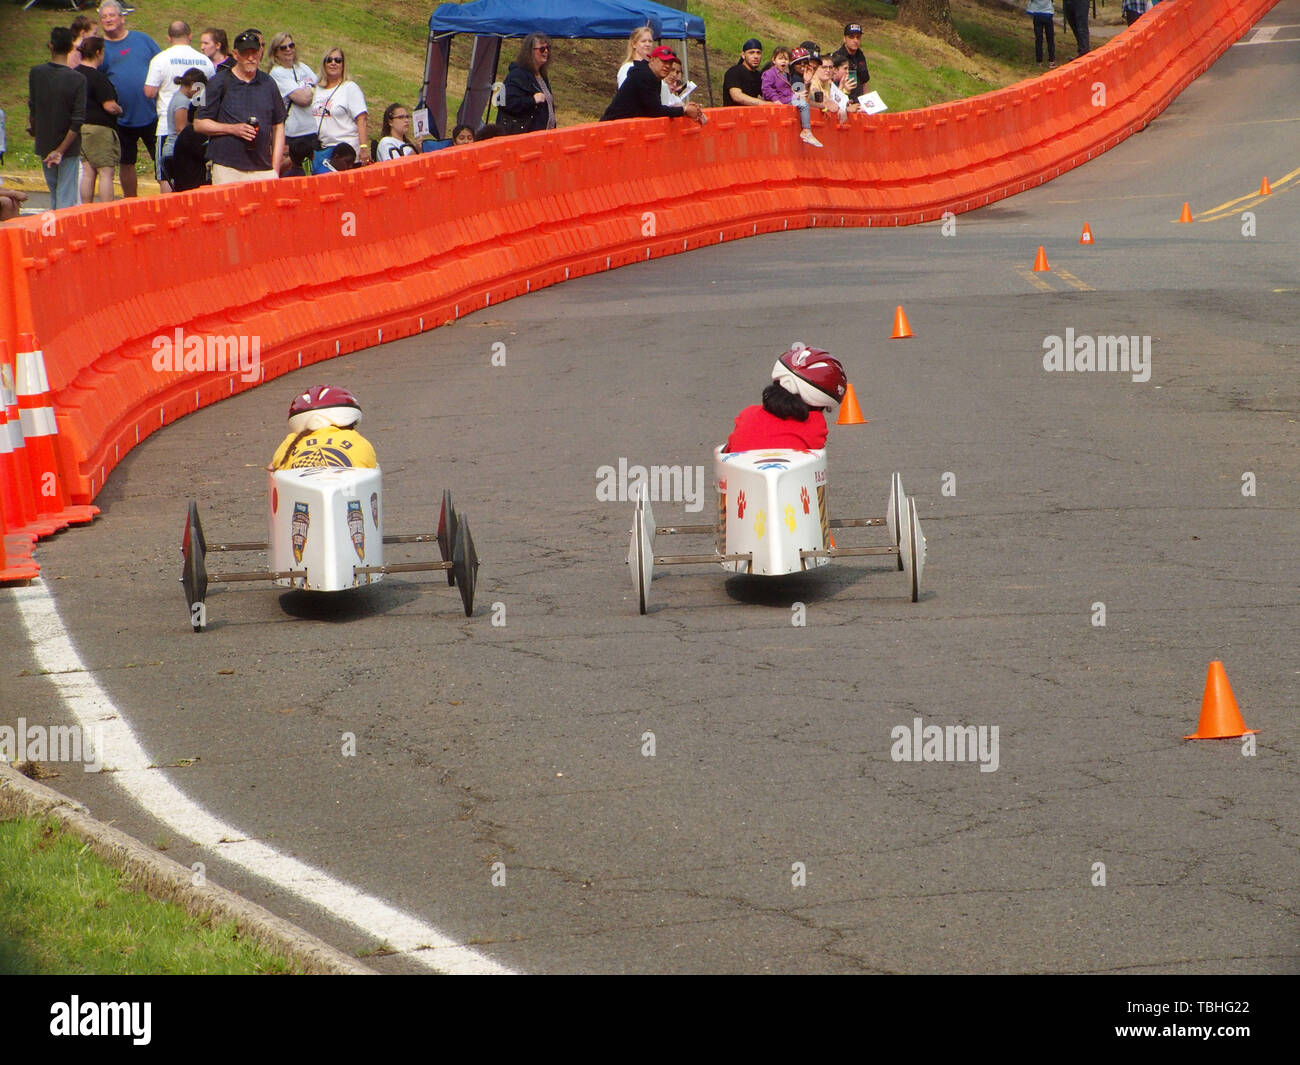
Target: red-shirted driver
point(805, 382)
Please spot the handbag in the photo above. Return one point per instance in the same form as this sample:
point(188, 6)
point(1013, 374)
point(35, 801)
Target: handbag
point(510, 123)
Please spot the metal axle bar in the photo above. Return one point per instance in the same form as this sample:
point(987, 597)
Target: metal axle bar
point(683, 560)
point(855, 523)
point(264, 575)
point(842, 552)
point(835, 523)
point(402, 567)
point(252, 545)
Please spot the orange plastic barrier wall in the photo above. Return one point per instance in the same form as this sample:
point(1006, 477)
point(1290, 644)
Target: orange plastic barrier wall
point(310, 268)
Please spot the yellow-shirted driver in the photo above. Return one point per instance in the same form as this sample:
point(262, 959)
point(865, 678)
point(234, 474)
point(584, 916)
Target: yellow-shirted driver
point(322, 432)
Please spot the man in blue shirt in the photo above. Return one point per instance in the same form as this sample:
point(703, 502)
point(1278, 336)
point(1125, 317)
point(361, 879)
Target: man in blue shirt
point(126, 62)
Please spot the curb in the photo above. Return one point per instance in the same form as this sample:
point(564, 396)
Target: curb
point(163, 878)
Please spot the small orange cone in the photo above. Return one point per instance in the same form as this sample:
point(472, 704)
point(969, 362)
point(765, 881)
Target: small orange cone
point(901, 329)
point(1086, 236)
point(1220, 718)
point(1265, 189)
point(1186, 216)
point(850, 412)
point(1040, 260)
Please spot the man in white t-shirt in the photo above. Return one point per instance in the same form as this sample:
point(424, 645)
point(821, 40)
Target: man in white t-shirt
point(160, 85)
point(296, 82)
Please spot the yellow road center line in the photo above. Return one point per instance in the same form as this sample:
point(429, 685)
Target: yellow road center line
point(1228, 205)
point(1034, 279)
point(1070, 279)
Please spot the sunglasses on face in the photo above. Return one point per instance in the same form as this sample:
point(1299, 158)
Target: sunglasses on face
point(334, 59)
point(287, 47)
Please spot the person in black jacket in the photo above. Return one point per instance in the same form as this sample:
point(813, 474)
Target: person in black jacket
point(189, 161)
point(529, 104)
point(638, 96)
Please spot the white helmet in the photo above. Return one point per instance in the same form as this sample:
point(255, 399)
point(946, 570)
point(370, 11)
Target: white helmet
point(321, 406)
point(814, 375)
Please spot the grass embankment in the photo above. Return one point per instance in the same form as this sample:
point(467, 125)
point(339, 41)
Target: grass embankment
point(385, 42)
point(62, 910)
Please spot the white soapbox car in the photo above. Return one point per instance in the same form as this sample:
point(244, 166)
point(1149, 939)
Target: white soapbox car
point(327, 535)
point(773, 520)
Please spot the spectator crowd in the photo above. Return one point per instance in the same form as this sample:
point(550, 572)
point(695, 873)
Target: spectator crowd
point(247, 110)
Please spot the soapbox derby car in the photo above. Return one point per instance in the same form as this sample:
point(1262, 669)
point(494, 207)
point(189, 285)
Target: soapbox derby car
point(327, 535)
point(773, 520)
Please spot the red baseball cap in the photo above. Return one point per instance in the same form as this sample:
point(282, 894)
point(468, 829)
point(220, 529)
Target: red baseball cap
point(666, 54)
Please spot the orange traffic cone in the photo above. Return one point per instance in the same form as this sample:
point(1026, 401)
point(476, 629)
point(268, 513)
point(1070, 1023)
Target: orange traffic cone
point(850, 412)
point(1264, 188)
point(1086, 236)
point(15, 479)
point(1040, 260)
point(1186, 216)
point(40, 433)
point(1220, 718)
point(901, 329)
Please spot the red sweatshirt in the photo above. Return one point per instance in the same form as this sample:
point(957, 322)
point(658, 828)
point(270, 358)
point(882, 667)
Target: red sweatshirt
point(756, 429)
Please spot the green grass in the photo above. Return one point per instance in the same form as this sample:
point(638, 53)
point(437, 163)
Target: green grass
point(62, 910)
point(385, 42)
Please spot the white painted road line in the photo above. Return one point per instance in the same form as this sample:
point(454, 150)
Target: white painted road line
point(151, 790)
point(1269, 35)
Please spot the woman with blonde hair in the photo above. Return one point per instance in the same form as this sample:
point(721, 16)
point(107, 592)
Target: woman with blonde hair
point(339, 109)
point(297, 83)
point(639, 47)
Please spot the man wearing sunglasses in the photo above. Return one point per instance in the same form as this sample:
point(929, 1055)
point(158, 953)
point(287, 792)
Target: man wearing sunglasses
point(244, 117)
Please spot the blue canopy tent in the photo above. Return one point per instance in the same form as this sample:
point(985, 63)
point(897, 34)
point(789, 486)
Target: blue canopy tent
point(490, 21)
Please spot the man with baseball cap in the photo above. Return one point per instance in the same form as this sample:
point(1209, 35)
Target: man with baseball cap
point(742, 85)
point(851, 50)
point(638, 96)
point(244, 117)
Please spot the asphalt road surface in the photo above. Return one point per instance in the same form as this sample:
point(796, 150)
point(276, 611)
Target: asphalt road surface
point(522, 743)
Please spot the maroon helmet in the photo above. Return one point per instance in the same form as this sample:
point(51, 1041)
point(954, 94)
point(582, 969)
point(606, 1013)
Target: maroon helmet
point(812, 374)
point(323, 405)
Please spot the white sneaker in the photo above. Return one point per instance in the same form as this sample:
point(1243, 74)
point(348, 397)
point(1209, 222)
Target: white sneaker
point(806, 135)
